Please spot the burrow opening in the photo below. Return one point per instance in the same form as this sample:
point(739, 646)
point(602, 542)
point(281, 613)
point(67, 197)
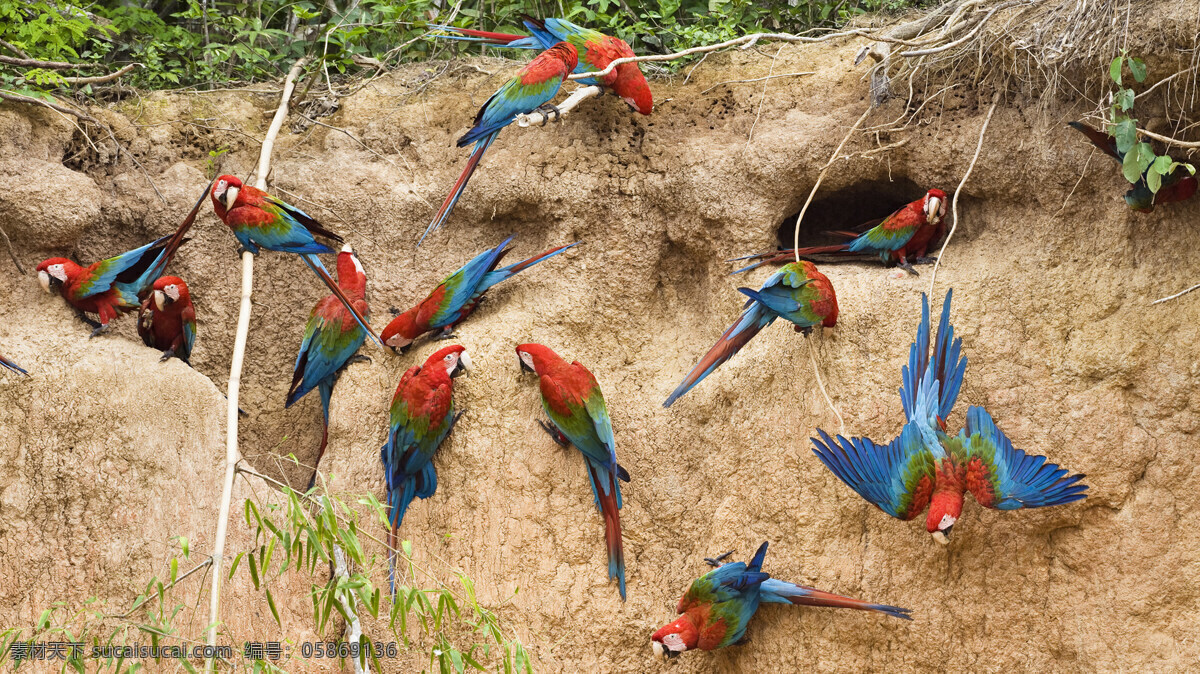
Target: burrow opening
point(854, 209)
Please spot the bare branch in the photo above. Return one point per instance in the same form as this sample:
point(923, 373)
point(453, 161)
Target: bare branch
point(1169, 140)
point(14, 49)
point(579, 95)
point(746, 40)
point(1176, 295)
point(954, 209)
point(47, 65)
point(11, 252)
point(756, 79)
point(9, 96)
point(235, 367)
point(100, 79)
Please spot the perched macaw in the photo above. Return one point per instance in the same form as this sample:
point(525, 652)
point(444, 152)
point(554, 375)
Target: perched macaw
point(719, 605)
point(167, 319)
point(797, 293)
point(904, 237)
point(117, 285)
point(530, 89)
point(572, 399)
point(422, 415)
point(458, 295)
point(259, 220)
point(12, 366)
point(596, 51)
point(110, 287)
point(925, 466)
point(331, 338)
point(1179, 185)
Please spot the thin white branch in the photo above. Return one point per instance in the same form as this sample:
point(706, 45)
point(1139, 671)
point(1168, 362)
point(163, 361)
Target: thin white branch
point(353, 628)
point(235, 369)
point(578, 96)
point(756, 79)
point(1169, 140)
point(1176, 295)
point(954, 208)
point(820, 177)
point(746, 40)
point(821, 385)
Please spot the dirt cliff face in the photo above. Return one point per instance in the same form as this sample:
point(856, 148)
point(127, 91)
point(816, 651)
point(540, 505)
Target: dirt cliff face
point(109, 453)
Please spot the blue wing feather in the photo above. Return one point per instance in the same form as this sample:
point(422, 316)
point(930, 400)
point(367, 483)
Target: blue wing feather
point(1021, 480)
point(883, 475)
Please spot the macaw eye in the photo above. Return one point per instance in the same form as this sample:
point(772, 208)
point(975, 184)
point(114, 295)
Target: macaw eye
point(221, 186)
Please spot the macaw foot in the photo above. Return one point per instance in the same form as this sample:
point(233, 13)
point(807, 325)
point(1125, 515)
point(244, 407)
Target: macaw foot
point(806, 330)
point(446, 333)
point(100, 330)
point(742, 642)
point(167, 355)
point(393, 311)
point(84, 317)
point(908, 268)
point(359, 358)
point(925, 259)
point(555, 434)
point(548, 109)
point(242, 249)
point(719, 559)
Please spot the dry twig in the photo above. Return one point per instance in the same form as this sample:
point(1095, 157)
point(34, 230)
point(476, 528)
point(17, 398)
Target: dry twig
point(954, 207)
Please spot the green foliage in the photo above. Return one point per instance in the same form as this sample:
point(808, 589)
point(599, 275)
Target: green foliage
point(214, 42)
point(446, 623)
point(1140, 157)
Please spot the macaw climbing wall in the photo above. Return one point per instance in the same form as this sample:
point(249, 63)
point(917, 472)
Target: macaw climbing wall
point(107, 454)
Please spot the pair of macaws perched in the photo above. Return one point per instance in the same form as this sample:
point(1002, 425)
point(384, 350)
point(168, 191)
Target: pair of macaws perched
point(111, 287)
point(797, 293)
point(925, 466)
point(718, 606)
point(568, 48)
point(1179, 185)
point(422, 414)
point(902, 238)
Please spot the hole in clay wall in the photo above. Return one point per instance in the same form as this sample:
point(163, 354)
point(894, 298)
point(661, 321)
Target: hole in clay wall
point(856, 208)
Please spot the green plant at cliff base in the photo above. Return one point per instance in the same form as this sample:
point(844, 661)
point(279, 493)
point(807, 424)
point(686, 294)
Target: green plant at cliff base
point(1140, 159)
point(445, 626)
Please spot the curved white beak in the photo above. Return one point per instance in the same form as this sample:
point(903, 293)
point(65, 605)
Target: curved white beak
point(466, 362)
point(230, 197)
point(658, 649)
point(941, 538)
point(160, 300)
point(44, 280)
point(933, 207)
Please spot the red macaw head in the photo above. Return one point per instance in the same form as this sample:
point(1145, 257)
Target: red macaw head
point(225, 192)
point(56, 271)
point(534, 357)
point(401, 332)
point(632, 87)
point(675, 638)
point(453, 358)
point(934, 206)
point(169, 290)
point(352, 278)
point(944, 511)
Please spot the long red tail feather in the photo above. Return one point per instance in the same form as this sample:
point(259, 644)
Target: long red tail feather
point(612, 528)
